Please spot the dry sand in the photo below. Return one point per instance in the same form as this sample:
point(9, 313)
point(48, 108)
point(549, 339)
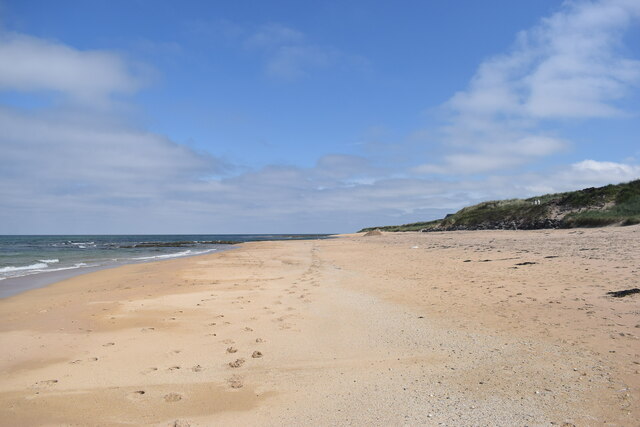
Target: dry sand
point(464, 328)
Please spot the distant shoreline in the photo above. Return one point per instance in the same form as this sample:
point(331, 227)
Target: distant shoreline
point(29, 262)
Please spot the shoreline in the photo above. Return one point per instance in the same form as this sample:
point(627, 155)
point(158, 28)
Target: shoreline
point(16, 285)
point(32, 279)
point(465, 328)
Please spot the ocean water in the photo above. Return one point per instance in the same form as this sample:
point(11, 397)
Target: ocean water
point(31, 256)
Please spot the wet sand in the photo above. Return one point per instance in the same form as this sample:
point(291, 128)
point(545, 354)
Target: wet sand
point(462, 328)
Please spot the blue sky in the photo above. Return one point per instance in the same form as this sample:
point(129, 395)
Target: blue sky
point(245, 117)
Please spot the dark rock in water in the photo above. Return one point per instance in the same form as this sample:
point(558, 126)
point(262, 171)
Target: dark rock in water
point(626, 292)
point(180, 244)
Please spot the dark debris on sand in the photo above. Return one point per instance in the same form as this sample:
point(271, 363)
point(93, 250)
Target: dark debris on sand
point(624, 293)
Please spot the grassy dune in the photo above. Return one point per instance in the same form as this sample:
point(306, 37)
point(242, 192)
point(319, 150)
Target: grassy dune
point(592, 207)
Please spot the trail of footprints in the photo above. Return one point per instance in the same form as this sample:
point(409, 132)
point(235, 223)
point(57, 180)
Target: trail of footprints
point(298, 290)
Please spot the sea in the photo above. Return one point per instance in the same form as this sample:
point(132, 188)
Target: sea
point(28, 262)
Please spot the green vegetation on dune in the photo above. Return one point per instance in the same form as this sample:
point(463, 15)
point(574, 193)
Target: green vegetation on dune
point(416, 226)
point(504, 210)
point(591, 207)
point(625, 213)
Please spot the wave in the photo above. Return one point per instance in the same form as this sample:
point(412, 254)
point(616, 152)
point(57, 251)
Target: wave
point(77, 265)
point(175, 255)
point(24, 267)
point(39, 267)
point(83, 245)
point(42, 266)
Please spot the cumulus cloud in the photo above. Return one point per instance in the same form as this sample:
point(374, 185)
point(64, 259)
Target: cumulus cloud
point(33, 64)
point(572, 65)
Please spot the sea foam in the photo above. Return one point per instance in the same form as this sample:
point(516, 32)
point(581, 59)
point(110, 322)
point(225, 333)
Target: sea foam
point(175, 255)
point(24, 267)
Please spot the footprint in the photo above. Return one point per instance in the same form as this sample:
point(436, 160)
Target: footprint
point(172, 397)
point(231, 349)
point(235, 381)
point(48, 383)
point(174, 368)
point(248, 329)
point(149, 370)
point(197, 368)
point(109, 344)
point(256, 355)
point(136, 394)
point(228, 341)
point(236, 363)
point(259, 340)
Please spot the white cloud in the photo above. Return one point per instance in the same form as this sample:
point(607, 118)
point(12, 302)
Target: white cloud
point(572, 65)
point(34, 64)
point(603, 172)
point(274, 35)
point(289, 55)
point(579, 69)
point(43, 154)
point(495, 156)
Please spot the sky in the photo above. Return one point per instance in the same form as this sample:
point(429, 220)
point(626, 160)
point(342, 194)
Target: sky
point(167, 117)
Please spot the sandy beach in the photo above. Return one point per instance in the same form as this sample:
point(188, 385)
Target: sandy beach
point(495, 328)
